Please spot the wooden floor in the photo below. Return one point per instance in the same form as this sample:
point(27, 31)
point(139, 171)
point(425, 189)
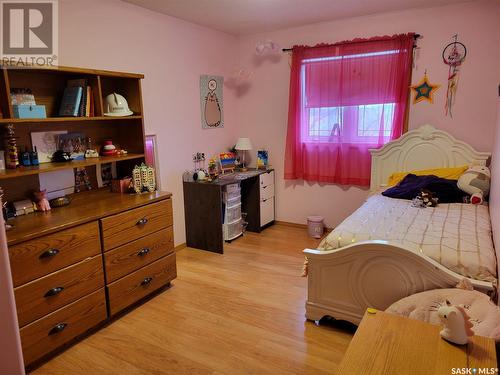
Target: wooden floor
point(237, 313)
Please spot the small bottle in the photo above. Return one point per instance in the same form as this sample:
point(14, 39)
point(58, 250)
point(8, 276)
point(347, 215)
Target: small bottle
point(34, 157)
point(25, 158)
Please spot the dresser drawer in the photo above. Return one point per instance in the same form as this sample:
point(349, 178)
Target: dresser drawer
point(266, 211)
point(139, 253)
point(59, 327)
point(266, 192)
point(135, 286)
point(266, 178)
point(122, 228)
point(42, 296)
point(41, 256)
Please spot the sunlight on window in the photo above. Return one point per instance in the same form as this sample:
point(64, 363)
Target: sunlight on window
point(328, 121)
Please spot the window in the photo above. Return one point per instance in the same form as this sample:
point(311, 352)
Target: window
point(345, 99)
point(326, 122)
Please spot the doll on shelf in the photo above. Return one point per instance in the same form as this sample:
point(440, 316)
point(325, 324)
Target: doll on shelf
point(40, 199)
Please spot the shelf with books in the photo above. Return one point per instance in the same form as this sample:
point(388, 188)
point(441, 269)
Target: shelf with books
point(51, 167)
point(66, 119)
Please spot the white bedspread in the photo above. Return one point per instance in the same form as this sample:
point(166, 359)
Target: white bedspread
point(456, 235)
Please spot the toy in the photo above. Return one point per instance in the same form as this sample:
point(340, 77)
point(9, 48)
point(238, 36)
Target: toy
point(143, 178)
point(12, 159)
point(457, 325)
point(476, 182)
point(109, 149)
point(40, 199)
point(425, 199)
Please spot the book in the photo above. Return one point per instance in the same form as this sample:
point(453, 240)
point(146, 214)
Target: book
point(87, 101)
point(83, 83)
point(70, 103)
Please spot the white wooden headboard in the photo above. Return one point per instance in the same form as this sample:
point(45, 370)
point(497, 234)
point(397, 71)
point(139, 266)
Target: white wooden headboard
point(422, 148)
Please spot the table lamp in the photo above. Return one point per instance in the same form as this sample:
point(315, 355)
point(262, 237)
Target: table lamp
point(244, 145)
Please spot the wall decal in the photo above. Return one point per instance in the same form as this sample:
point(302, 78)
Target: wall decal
point(424, 90)
point(453, 56)
point(212, 111)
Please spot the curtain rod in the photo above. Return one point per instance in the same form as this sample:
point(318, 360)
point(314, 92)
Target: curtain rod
point(416, 36)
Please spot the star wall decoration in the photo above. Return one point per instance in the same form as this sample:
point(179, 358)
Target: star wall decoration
point(424, 90)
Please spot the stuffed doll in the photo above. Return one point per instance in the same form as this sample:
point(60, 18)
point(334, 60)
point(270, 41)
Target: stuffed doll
point(425, 199)
point(40, 199)
point(476, 182)
point(457, 327)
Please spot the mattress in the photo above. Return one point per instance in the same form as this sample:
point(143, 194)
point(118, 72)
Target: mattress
point(456, 235)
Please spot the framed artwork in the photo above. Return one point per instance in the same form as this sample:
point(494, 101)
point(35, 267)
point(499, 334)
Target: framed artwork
point(46, 144)
point(105, 173)
point(152, 157)
point(262, 159)
point(212, 109)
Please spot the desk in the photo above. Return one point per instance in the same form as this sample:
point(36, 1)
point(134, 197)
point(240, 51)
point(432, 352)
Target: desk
point(203, 207)
point(388, 344)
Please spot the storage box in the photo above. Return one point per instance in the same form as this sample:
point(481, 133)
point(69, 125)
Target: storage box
point(29, 111)
point(121, 186)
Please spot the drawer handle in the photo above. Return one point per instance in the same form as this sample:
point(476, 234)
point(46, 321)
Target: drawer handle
point(146, 280)
point(142, 222)
point(143, 252)
point(58, 328)
point(49, 253)
point(54, 291)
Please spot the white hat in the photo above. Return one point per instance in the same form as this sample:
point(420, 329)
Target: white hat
point(117, 106)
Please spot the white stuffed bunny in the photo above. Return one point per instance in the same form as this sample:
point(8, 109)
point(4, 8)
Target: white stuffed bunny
point(457, 326)
point(476, 182)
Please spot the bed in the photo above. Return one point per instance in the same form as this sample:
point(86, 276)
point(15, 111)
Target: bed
point(373, 260)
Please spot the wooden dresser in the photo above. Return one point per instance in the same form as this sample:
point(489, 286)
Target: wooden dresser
point(77, 266)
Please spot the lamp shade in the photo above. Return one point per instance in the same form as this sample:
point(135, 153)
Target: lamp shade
point(243, 144)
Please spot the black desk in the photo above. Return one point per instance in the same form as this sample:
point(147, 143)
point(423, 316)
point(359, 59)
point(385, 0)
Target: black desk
point(203, 208)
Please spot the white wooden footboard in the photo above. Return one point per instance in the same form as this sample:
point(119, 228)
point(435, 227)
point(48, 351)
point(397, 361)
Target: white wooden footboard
point(342, 283)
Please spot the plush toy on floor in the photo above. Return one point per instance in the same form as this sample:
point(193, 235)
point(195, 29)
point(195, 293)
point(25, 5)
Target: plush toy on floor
point(457, 325)
point(476, 182)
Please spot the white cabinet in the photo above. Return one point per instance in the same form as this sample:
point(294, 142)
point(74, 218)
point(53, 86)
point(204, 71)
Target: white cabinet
point(266, 182)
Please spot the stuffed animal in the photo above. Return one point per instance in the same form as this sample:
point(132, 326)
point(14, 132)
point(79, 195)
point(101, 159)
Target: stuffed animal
point(425, 199)
point(40, 199)
point(457, 325)
point(476, 182)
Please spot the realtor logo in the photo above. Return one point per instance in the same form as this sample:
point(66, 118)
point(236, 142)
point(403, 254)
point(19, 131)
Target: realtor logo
point(29, 33)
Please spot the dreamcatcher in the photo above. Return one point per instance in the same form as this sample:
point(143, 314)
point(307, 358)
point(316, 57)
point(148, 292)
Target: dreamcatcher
point(453, 56)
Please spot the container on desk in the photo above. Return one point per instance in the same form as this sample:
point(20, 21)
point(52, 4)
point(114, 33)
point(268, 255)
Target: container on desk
point(29, 111)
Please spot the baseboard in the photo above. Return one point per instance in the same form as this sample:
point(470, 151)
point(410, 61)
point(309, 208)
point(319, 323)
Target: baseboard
point(289, 224)
point(180, 247)
point(297, 225)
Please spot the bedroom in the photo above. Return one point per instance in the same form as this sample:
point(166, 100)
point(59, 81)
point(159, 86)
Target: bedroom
point(246, 307)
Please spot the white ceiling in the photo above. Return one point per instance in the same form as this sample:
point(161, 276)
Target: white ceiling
point(240, 17)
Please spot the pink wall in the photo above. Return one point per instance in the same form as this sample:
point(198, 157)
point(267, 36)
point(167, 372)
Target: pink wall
point(495, 188)
point(172, 54)
point(263, 108)
point(11, 360)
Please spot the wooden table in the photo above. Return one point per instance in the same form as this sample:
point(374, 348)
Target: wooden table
point(389, 344)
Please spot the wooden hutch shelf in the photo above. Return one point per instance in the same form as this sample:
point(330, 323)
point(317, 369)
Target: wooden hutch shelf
point(76, 267)
point(51, 167)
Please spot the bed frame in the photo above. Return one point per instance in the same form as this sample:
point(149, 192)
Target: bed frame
point(342, 283)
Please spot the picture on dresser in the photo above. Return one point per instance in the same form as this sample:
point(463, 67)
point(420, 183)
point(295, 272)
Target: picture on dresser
point(46, 144)
point(105, 173)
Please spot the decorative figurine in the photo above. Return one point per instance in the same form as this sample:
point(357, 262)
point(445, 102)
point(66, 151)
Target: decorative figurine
point(40, 199)
point(12, 159)
point(90, 152)
point(457, 327)
point(143, 178)
point(109, 149)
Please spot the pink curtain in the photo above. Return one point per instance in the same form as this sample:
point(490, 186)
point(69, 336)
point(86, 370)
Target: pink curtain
point(345, 99)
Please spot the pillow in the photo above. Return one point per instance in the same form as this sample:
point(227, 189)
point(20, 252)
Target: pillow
point(485, 316)
point(448, 173)
point(445, 190)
